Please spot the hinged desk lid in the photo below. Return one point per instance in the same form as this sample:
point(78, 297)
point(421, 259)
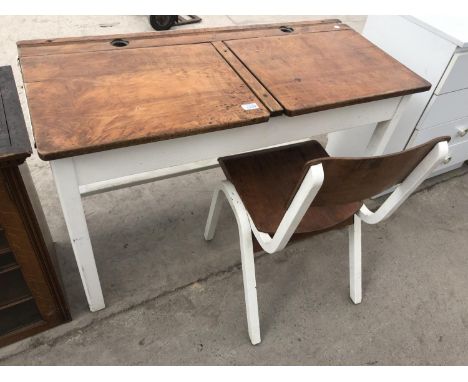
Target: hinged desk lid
point(316, 71)
point(87, 102)
point(87, 95)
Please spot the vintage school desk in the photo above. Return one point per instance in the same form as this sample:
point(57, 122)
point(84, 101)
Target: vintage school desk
point(113, 111)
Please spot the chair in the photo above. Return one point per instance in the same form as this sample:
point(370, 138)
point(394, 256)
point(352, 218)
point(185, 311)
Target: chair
point(285, 192)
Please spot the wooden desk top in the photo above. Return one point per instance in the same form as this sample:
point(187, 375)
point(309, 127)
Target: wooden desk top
point(86, 95)
point(14, 140)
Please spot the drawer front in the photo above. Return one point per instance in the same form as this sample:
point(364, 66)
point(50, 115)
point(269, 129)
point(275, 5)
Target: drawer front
point(457, 155)
point(445, 108)
point(456, 74)
point(457, 130)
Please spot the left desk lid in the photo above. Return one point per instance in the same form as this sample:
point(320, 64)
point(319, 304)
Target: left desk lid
point(14, 139)
point(89, 102)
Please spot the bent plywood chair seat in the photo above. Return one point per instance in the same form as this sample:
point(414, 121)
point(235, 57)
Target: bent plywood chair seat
point(300, 189)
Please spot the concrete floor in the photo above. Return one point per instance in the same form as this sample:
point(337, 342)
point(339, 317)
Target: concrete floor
point(172, 298)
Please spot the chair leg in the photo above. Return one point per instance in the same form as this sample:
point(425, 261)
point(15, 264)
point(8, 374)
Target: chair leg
point(355, 261)
point(250, 285)
point(247, 253)
point(213, 215)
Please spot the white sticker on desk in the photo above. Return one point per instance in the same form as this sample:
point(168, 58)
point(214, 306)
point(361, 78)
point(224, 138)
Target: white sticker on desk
point(249, 106)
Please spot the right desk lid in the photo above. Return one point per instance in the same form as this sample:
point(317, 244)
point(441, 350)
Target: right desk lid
point(309, 72)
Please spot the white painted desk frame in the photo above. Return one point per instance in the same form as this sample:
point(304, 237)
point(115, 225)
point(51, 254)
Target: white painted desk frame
point(108, 170)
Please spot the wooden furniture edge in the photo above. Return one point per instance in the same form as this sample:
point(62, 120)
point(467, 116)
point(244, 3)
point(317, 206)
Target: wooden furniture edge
point(145, 40)
point(20, 146)
point(171, 33)
point(48, 156)
point(21, 199)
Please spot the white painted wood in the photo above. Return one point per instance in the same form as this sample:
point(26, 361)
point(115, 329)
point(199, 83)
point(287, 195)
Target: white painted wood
point(378, 143)
point(457, 156)
point(445, 108)
point(300, 204)
point(247, 254)
point(355, 283)
point(351, 142)
point(213, 215)
point(456, 76)
point(453, 28)
point(425, 53)
point(457, 130)
point(432, 160)
point(119, 163)
point(69, 195)
point(146, 177)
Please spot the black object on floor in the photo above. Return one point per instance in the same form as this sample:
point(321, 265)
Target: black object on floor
point(165, 22)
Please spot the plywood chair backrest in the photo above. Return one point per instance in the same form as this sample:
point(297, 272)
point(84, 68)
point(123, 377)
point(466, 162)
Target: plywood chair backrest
point(355, 179)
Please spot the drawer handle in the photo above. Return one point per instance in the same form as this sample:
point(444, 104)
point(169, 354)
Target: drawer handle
point(447, 160)
point(462, 131)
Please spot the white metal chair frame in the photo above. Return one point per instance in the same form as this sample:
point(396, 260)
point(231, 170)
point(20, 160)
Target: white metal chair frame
point(300, 204)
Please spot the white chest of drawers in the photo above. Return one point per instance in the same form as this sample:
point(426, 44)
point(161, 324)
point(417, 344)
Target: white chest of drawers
point(437, 49)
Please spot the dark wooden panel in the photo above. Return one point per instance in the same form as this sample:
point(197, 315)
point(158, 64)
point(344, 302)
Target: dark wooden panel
point(7, 261)
point(15, 147)
point(266, 179)
point(12, 288)
point(3, 242)
point(352, 179)
point(174, 37)
point(23, 237)
point(317, 71)
point(4, 134)
point(89, 102)
point(18, 316)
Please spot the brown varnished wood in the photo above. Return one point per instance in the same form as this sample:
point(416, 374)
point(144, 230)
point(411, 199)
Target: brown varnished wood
point(29, 270)
point(265, 180)
point(257, 88)
point(17, 219)
point(352, 179)
point(90, 102)
point(87, 96)
point(173, 37)
point(312, 72)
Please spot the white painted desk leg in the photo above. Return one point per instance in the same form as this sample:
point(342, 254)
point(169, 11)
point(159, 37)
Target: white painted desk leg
point(70, 199)
point(355, 288)
point(378, 144)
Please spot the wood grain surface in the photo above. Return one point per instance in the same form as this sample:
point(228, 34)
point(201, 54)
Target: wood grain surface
point(85, 44)
point(25, 240)
point(311, 72)
point(353, 179)
point(14, 139)
point(266, 179)
point(93, 101)
point(86, 95)
point(257, 88)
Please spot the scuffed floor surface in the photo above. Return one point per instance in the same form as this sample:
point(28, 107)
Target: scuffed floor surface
point(414, 310)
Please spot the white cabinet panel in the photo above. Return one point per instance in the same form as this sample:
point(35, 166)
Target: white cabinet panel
point(445, 108)
point(456, 75)
point(457, 155)
point(457, 130)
